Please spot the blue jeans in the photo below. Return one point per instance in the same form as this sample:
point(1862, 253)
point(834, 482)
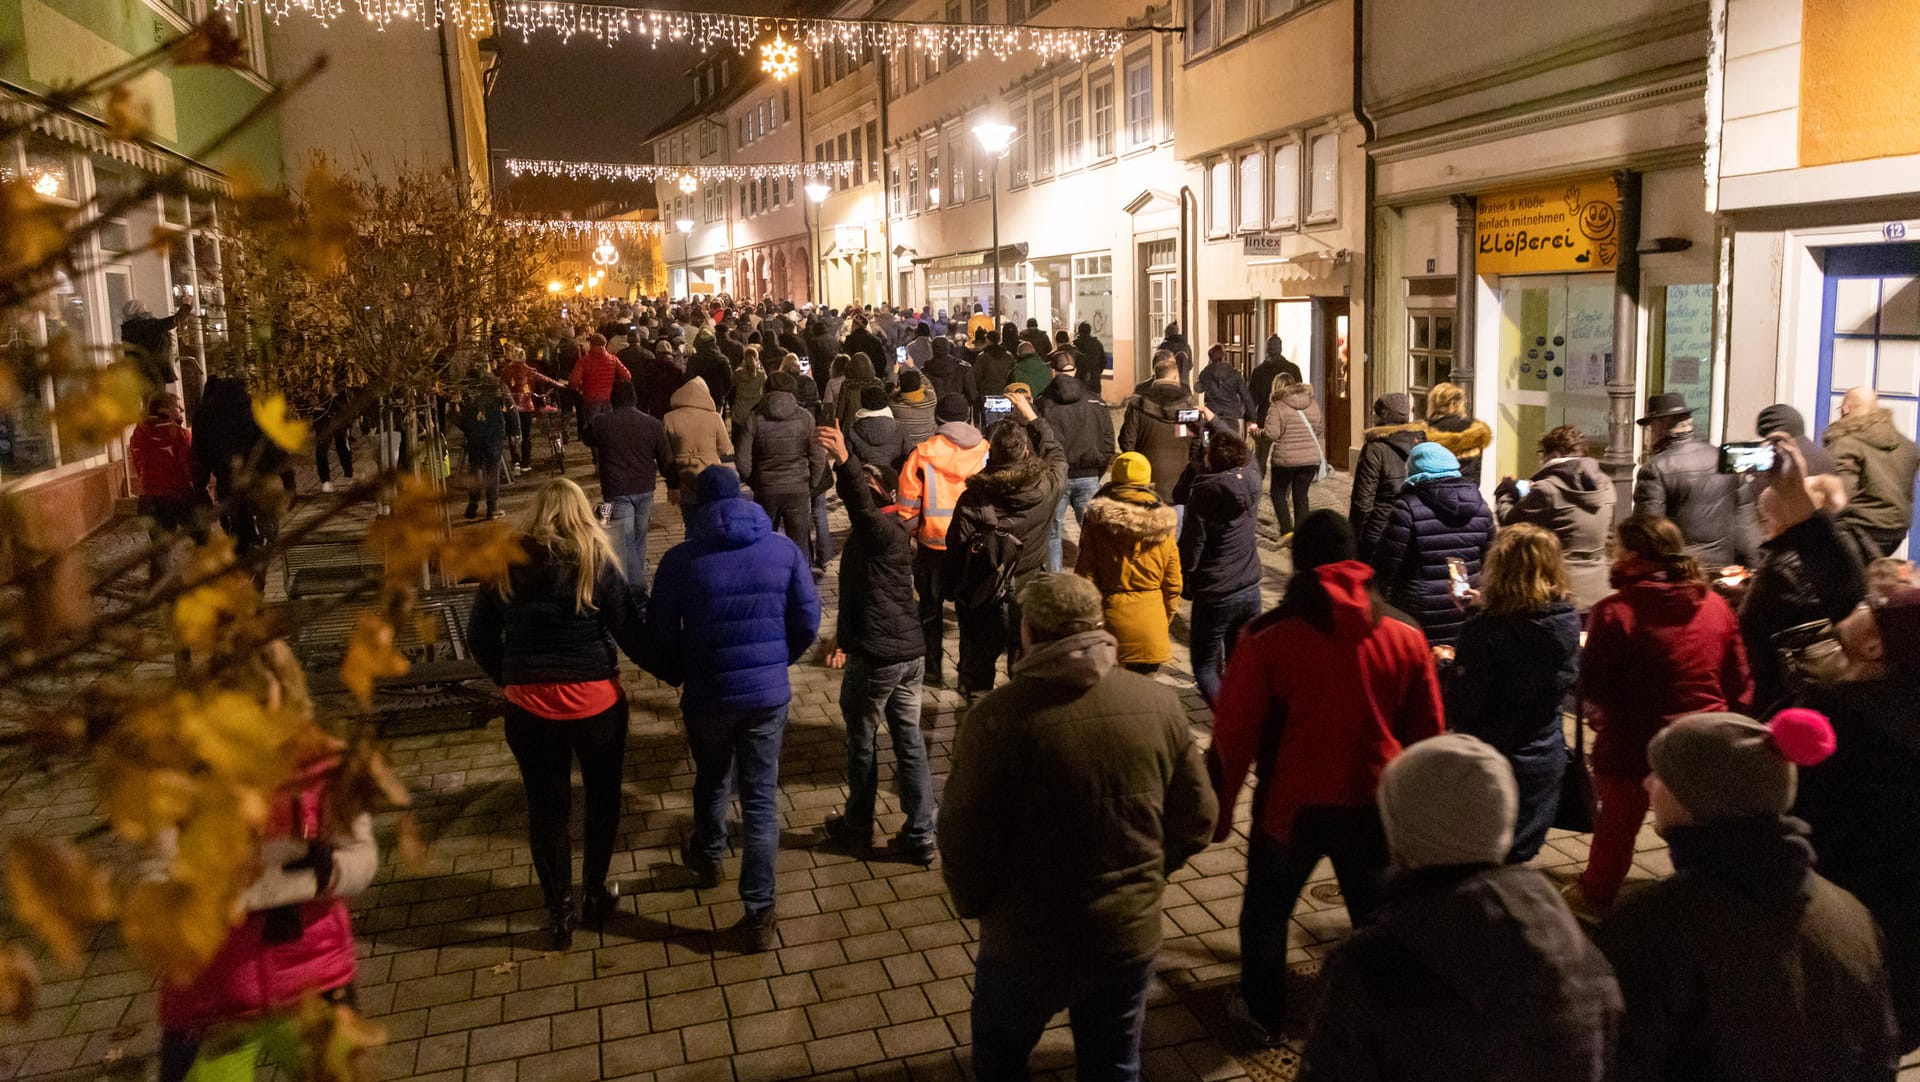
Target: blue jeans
point(1014, 999)
point(1078, 492)
point(1277, 871)
point(745, 743)
point(822, 533)
point(870, 691)
point(1215, 626)
point(632, 515)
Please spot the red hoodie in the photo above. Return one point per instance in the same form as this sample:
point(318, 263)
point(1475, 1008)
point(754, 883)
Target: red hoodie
point(1334, 709)
point(162, 456)
point(594, 375)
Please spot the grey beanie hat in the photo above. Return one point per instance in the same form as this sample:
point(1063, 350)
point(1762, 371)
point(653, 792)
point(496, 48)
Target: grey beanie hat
point(1448, 800)
point(1393, 409)
point(1727, 766)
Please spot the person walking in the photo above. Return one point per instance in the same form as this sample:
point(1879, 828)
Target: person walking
point(1084, 427)
point(862, 340)
point(1745, 965)
point(1223, 390)
point(920, 347)
point(846, 402)
point(951, 380)
point(520, 380)
point(1273, 368)
point(1662, 647)
point(1296, 433)
point(979, 321)
point(782, 462)
point(593, 377)
point(1877, 464)
point(332, 431)
point(1450, 425)
point(1321, 694)
point(1090, 359)
point(1413, 996)
point(1128, 550)
point(232, 456)
point(998, 540)
point(931, 481)
point(917, 407)
point(1219, 554)
point(1437, 536)
point(1517, 657)
point(1033, 369)
point(879, 630)
point(660, 378)
point(633, 452)
point(1152, 425)
point(711, 367)
point(1572, 498)
point(1062, 852)
point(1381, 471)
point(1042, 345)
point(734, 606)
point(1175, 344)
point(875, 437)
point(551, 637)
point(160, 450)
point(749, 387)
point(696, 432)
point(483, 425)
point(993, 365)
point(1681, 480)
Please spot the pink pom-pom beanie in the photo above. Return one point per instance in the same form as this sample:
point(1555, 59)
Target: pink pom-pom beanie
point(1725, 766)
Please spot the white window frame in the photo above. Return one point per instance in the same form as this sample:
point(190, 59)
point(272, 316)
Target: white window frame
point(1131, 63)
point(1102, 80)
point(1047, 161)
point(1330, 215)
point(1073, 126)
point(1241, 222)
point(1279, 216)
point(1219, 205)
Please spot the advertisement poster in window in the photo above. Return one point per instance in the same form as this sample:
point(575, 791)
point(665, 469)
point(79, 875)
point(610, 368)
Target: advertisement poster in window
point(1563, 227)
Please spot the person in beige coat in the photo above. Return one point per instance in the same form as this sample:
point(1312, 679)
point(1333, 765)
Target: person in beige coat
point(1294, 427)
point(1128, 549)
point(698, 434)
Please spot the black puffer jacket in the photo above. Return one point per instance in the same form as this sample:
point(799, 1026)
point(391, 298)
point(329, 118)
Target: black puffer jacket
point(1429, 523)
point(538, 637)
point(1090, 364)
point(879, 618)
point(1219, 545)
point(1152, 428)
point(778, 452)
point(1022, 495)
point(1082, 423)
point(955, 393)
point(1378, 478)
point(709, 364)
point(1226, 393)
point(991, 370)
point(1682, 481)
point(877, 439)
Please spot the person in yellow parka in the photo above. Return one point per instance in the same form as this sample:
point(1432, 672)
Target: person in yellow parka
point(1128, 549)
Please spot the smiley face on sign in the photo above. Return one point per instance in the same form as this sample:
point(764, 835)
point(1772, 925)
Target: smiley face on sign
point(1598, 220)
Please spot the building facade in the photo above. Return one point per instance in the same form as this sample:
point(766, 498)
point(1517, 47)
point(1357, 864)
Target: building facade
point(772, 249)
point(1540, 229)
point(843, 123)
point(700, 257)
point(66, 488)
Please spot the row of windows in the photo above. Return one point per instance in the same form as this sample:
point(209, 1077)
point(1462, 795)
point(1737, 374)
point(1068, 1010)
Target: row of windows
point(764, 117)
point(910, 70)
point(1214, 23)
point(764, 196)
point(859, 145)
point(1264, 187)
point(837, 64)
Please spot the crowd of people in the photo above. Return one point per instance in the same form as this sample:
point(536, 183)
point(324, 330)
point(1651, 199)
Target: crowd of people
point(1739, 646)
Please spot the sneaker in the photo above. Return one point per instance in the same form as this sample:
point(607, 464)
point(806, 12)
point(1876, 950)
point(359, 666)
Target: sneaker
point(326, 486)
point(496, 514)
point(1252, 1028)
point(913, 852)
point(841, 831)
point(762, 930)
point(1583, 910)
point(706, 870)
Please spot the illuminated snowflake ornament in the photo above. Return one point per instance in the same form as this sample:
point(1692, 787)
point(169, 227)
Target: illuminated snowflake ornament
point(605, 254)
point(688, 184)
point(779, 58)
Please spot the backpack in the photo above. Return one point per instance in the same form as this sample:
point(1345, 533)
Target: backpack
point(986, 567)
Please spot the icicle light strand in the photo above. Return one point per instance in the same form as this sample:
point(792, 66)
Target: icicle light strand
point(574, 228)
point(633, 171)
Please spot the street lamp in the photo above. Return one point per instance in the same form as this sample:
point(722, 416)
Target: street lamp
point(685, 226)
point(995, 139)
point(817, 194)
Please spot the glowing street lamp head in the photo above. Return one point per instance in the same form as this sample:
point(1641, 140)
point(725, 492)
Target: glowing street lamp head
point(994, 138)
point(554, 286)
point(688, 184)
point(684, 225)
point(817, 191)
point(779, 58)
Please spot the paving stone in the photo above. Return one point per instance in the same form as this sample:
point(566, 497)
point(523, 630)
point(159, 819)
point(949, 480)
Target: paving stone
point(706, 1041)
point(510, 1040)
point(748, 997)
point(686, 1009)
point(835, 982)
point(794, 990)
point(763, 1031)
point(571, 1065)
point(838, 1016)
point(847, 1050)
point(635, 1054)
point(773, 1064)
point(915, 1038)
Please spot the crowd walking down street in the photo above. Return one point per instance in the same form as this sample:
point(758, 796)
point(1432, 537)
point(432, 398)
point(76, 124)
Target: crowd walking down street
point(1169, 796)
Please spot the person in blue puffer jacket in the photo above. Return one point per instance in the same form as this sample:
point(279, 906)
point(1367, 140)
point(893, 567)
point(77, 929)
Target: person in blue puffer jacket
point(734, 605)
point(1439, 515)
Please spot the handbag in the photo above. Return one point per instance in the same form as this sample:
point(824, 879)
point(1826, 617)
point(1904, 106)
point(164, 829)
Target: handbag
point(1325, 469)
point(1576, 785)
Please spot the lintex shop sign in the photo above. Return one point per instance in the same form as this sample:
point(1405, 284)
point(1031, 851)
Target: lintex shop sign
point(1566, 226)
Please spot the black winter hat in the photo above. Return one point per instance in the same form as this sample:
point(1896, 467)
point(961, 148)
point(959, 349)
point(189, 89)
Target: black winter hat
point(1323, 537)
point(910, 379)
point(1781, 417)
point(873, 397)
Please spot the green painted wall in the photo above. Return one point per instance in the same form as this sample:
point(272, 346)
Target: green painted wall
point(70, 40)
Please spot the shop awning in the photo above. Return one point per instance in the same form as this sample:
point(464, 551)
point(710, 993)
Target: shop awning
point(1305, 267)
point(1009, 253)
point(22, 107)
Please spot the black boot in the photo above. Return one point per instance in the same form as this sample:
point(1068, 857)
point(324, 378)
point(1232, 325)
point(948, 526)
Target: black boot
point(560, 923)
point(599, 906)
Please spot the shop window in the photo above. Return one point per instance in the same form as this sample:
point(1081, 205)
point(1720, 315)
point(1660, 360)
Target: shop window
point(1250, 194)
point(1429, 354)
point(1323, 184)
point(1285, 212)
point(1680, 343)
point(1043, 160)
point(1139, 75)
point(1220, 197)
point(1073, 127)
point(1100, 90)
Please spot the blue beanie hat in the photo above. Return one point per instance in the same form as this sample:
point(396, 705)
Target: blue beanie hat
point(1431, 462)
point(716, 483)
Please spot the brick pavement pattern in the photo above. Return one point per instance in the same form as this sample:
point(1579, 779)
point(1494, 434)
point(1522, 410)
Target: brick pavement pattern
point(871, 979)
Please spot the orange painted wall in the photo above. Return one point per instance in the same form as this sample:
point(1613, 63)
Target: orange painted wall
point(1859, 81)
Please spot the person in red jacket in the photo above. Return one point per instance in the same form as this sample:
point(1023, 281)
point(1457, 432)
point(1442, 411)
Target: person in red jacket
point(1319, 696)
point(520, 379)
point(1662, 647)
point(593, 377)
point(161, 451)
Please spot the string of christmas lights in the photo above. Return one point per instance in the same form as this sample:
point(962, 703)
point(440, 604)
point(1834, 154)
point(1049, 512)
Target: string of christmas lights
point(540, 167)
point(475, 16)
point(574, 228)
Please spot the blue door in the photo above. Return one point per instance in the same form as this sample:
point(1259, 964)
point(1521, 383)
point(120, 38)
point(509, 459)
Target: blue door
point(1870, 330)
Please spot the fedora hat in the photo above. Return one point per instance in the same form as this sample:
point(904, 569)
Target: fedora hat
point(1662, 406)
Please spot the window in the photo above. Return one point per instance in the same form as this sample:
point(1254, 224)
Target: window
point(786, 103)
point(840, 143)
point(954, 55)
point(1212, 23)
point(1286, 185)
point(1017, 170)
point(741, 139)
point(1219, 197)
point(790, 199)
point(1323, 184)
point(958, 150)
point(1250, 194)
point(1140, 99)
point(1233, 19)
point(896, 84)
point(1043, 135)
point(1073, 127)
point(1101, 91)
point(839, 69)
point(1016, 12)
point(857, 157)
point(873, 152)
point(931, 58)
point(979, 16)
point(1199, 26)
point(914, 203)
point(1429, 353)
point(896, 200)
point(753, 199)
point(908, 61)
point(742, 204)
point(708, 143)
point(933, 175)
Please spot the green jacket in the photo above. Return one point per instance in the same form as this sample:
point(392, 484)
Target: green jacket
point(1033, 372)
point(1877, 464)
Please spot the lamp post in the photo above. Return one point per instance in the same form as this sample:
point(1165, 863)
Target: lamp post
point(817, 194)
point(685, 226)
point(995, 139)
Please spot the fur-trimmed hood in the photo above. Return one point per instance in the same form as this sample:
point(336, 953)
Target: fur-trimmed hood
point(1134, 512)
point(1872, 427)
point(1465, 437)
point(1006, 482)
point(1381, 432)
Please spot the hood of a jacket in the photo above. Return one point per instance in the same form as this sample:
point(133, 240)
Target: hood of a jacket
point(1464, 440)
point(1873, 428)
point(1346, 583)
point(732, 523)
point(964, 436)
point(1018, 484)
point(1499, 937)
point(1224, 494)
point(1767, 858)
point(1162, 400)
point(874, 415)
point(1453, 500)
point(1581, 482)
point(1076, 661)
point(1066, 390)
point(779, 406)
point(1659, 598)
point(693, 394)
point(1403, 437)
point(1297, 397)
point(1134, 512)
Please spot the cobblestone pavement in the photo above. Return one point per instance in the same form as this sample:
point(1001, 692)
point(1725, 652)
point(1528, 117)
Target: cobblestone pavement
point(871, 979)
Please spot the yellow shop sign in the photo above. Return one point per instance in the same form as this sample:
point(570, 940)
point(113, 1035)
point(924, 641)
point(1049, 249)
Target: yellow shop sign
point(1549, 229)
